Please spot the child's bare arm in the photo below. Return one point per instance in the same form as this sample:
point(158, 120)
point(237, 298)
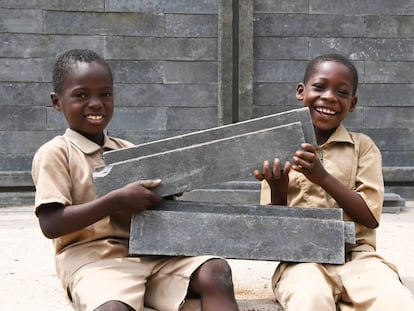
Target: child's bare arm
point(277, 179)
point(56, 220)
point(307, 162)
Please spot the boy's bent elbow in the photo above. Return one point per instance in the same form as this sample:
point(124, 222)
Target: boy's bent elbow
point(48, 229)
point(46, 220)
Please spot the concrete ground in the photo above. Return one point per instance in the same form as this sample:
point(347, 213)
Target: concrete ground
point(28, 281)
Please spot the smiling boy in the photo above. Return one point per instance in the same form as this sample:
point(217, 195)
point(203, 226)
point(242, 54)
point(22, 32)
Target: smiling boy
point(342, 171)
point(91, 234)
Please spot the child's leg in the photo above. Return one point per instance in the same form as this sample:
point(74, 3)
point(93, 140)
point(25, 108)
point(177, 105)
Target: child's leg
point(110, 283)
point(210, 278)
point(114, 305)
point(213, 283)
point(305, 287)
point(371, 284)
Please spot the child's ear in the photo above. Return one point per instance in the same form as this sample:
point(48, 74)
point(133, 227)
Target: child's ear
point(55, 101)
point(300, 88)
point(354, 102)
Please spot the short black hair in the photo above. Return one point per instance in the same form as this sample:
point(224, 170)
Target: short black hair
point(333, 58)
point(66, 60)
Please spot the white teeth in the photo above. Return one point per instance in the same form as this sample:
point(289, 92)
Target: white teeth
point(326, 111)
point(93, 117)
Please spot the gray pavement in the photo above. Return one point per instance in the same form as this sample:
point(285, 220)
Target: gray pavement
point(28, 280)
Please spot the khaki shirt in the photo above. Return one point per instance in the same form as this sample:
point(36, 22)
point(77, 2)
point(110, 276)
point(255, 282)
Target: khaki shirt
point(355, 160)
point(62, 173)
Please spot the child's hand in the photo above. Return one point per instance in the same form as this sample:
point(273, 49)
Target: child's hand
point(277, 178)
point(137, 196)
point(306, 161)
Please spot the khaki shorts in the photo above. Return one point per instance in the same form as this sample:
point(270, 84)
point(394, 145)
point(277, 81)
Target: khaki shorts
point(158, 282)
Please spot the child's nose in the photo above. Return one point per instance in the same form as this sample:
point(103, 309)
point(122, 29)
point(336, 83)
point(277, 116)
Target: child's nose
point(95, 102)
point(328, 94)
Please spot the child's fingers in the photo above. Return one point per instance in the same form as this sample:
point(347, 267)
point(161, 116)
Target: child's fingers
point(149, 183)
point(259, 176)
point(276, 168)
point(267, 170)
point(287, 168)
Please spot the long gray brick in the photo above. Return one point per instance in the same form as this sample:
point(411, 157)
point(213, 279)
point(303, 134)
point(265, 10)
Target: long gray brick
point(292, 25)
point(186, 25)
point(22, 118)
point(22, 142)
point(165, 95)
point(278, 70)
point(41, 45)
point(385, 26)
point(30, 70)
point(393, 139)
point(281, 6)
point(296, 115)
point(15, 161)
point(25, 94)
point(155, 48)
point(388, 72)
point(250, 209)
point(70, 5)
point(133, 71)
point(280, 48)
point(163, 118)
point(20, 20)
point(275, 94)
point(372, 49)
point(398, 158)
point(163, 6)
point(212, 162)
point(391, 117)
point(189, 118)
point(140, 118)
point(386, 95)
point(190, 72)
point(396, 7)
point(243, 232)
point(91, 23)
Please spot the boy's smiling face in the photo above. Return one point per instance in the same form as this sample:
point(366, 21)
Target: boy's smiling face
point(87, 99)
point(329, 94)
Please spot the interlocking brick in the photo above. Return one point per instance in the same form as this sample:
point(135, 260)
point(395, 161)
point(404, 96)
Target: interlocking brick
point(216, 161)
point(241, 232)
point(295, 115)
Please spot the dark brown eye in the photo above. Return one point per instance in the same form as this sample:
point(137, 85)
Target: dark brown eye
point(343, 92)
point(107, 94)
point(81, 95)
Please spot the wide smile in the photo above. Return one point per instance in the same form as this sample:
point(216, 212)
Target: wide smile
point(325, 111)
point(94, 117)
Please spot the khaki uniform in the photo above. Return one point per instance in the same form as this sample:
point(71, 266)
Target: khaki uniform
point(93, 263)
point(366, 281)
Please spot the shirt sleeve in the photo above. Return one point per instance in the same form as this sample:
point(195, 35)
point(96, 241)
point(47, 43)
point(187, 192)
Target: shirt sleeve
point(369, 180)
point(50, 173)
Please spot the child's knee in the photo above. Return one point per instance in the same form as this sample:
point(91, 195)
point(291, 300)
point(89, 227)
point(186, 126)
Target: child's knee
point(215, 273)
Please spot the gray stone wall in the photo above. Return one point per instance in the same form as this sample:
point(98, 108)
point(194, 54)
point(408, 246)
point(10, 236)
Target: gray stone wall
point(175, 68)
point(377, 35)
point(163, 55)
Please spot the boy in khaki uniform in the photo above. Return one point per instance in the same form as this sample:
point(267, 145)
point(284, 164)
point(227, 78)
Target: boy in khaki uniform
point(91, 234)
point(343, 171)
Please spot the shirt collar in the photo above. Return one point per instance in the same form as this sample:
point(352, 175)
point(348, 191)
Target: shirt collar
point(341, 134)
point(87, 146)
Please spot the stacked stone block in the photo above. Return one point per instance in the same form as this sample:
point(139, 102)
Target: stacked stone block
point(216, 155)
